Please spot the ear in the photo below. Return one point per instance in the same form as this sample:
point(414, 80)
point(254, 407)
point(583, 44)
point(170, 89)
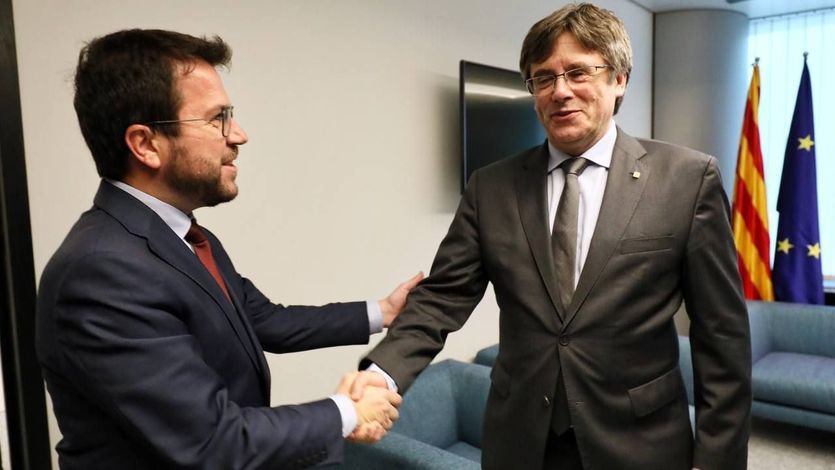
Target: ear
point(621, 80)
point(144, 145)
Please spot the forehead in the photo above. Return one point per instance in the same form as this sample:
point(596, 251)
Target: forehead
point(200, 87)
point(567, 51)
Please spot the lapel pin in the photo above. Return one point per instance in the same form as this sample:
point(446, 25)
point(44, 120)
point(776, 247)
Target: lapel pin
point(636, 174)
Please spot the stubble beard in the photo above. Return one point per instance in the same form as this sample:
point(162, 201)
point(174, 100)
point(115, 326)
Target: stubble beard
point(198, 180)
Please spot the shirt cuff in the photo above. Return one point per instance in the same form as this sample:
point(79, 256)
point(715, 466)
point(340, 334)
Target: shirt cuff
point(389, 381)
point(375, 317)
point(348, 413)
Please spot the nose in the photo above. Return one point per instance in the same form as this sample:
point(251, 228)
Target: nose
point(562, 91)
point(237, 134)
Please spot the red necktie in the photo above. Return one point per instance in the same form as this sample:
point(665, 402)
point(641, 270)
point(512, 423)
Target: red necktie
point(203, 250)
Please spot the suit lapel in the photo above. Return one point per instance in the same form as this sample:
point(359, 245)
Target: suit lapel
point(531, 181)
point(165, 244)
point(261, 361)
point(173, 251)
point(623, 191)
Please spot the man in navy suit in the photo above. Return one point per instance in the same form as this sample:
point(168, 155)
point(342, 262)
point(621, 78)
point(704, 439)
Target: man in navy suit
point(151, 343)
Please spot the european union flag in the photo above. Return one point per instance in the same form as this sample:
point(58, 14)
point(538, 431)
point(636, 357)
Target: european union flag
point(797, 274)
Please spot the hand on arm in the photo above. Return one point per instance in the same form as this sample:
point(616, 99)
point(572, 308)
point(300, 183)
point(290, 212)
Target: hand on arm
point(393, 304)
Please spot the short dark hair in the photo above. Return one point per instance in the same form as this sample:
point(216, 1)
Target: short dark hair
point(596, 29)
point(128, 77)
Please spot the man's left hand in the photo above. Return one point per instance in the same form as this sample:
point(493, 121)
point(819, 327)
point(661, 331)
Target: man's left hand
point(393, 304)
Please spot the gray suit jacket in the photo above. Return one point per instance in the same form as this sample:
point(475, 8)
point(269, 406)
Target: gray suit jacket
point(661, 238)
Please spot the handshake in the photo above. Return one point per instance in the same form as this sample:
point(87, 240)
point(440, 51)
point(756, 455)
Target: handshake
point(375, 404)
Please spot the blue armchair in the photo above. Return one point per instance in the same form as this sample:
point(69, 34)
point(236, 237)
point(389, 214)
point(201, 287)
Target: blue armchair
point(793, 363)
point(440, 423)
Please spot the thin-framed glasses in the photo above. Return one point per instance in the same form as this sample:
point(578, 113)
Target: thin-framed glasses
point(546, 83)
point(222, 121)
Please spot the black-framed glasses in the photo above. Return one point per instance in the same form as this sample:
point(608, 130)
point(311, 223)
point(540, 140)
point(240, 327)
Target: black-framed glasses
point(222, 121)
point(546, 83)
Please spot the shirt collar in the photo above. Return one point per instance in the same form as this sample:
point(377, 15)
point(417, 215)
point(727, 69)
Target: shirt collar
point(173, 217)
point(600, 153)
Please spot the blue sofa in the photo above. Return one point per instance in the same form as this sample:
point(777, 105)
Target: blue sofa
point(440, 423)
point(793, 363)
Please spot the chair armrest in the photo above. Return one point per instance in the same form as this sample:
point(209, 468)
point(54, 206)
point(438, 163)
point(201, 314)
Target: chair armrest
point(487, 356)
point(399, 451)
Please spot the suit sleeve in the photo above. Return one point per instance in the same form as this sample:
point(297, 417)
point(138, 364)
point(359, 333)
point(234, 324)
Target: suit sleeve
point(441, 303)
point(124, 343)
point(294, 328)
point(719, 332)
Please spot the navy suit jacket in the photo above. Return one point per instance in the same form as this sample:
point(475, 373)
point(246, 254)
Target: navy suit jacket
point(150, 366)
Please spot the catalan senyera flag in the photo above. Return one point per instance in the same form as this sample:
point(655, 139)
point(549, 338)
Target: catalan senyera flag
point(750, 216)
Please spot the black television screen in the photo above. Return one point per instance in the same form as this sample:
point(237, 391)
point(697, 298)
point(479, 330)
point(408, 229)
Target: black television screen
point(497, 116)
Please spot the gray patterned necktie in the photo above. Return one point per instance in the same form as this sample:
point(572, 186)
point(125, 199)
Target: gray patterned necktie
point(564, 236)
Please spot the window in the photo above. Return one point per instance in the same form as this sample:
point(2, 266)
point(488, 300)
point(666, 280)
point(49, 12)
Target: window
point(779, 42)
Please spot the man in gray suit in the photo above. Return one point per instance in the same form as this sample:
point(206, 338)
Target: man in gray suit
point(591, 241)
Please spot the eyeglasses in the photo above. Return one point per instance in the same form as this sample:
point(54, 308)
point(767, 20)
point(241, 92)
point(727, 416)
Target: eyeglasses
point(222, 121)
point(541, 84)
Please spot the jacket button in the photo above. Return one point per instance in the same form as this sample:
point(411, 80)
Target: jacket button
point(546, 400)
point(564, 340)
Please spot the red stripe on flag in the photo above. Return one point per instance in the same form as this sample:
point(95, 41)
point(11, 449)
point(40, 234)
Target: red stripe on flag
point(751, 217)
point(748, 287)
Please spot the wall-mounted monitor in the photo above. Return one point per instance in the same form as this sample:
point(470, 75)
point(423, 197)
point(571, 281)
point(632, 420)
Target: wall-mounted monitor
point(497, 116)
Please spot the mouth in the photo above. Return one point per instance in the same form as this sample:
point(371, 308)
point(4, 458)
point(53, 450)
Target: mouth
point(230, 161)
point(564, 114)
point(230, 166)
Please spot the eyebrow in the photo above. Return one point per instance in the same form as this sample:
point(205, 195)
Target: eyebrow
point(543, 73)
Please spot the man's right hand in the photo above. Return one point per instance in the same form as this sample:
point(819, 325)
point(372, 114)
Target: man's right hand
point(366, 379)
point(376, 414)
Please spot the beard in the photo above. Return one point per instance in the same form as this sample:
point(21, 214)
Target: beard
point(199, 179)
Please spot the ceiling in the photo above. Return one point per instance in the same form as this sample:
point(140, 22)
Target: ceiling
point(752, 8)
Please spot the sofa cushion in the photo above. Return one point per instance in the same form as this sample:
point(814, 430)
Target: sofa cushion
point(465, 450)
point(793, 379)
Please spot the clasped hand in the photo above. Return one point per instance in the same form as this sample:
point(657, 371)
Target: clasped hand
point(375, 404)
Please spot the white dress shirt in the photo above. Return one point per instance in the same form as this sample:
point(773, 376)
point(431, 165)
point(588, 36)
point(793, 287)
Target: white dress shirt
point(592, 184)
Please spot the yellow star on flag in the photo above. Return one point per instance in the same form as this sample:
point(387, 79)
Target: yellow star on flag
point(806, 143)
point(784, 246)
point(814, 250)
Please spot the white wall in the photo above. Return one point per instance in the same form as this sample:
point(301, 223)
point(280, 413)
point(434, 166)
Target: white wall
point(351, 175)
